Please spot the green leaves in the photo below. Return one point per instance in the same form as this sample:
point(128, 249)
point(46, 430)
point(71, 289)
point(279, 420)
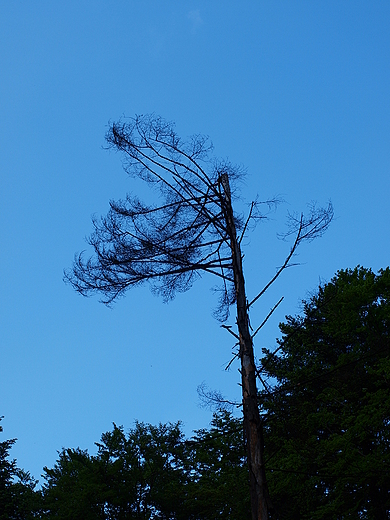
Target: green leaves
point(218, 469)
point(328, 418)
point(152, 472)
point(18, 500)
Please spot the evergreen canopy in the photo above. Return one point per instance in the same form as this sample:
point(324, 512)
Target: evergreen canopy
point(328, 417)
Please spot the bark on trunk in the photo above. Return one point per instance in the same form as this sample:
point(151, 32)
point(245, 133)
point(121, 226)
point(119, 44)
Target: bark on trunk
point(252, 422)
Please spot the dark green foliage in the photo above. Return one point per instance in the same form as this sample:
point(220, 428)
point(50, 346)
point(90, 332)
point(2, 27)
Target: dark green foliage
point(219, 473)
point(328, 417)
point(131, 476)
point(74, 488)
point(18, 500)
point(145, 471)
point(153, 473)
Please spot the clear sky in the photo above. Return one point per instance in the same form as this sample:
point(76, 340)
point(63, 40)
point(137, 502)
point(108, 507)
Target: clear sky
point(296, 91)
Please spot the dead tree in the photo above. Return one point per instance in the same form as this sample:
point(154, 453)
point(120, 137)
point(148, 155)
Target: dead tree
point(189, 230)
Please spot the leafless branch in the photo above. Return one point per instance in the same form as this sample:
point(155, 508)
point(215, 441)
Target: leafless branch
point(214, 400)
point(228, 328)
point(305, 229)
point(267, 317)
point(236, 355)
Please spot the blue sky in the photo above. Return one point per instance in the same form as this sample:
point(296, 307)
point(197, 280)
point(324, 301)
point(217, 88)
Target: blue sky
point(296, 91)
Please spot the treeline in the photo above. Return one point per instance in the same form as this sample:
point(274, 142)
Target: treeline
point(148, 472)
point(325, 406)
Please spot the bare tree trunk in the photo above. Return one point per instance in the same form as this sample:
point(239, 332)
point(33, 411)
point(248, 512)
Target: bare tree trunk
point(253, 428)
point(192, 232)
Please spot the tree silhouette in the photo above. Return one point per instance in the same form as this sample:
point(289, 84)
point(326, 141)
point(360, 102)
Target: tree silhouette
point(191, 230)
point(327, 428)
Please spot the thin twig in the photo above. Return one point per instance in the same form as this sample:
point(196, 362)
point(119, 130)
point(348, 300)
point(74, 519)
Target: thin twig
point(281, 269)
point(268, 316)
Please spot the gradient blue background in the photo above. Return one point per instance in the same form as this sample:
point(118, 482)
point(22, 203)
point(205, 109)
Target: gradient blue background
point(296, 91)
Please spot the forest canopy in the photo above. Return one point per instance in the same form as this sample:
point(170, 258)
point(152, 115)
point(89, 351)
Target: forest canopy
point(327, 418)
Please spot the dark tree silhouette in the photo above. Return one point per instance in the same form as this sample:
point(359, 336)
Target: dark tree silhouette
point(191, 230)
point(18, 497)
point(327, 427)
point(152, 472)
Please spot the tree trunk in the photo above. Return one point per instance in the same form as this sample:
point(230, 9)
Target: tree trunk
point(253, 428)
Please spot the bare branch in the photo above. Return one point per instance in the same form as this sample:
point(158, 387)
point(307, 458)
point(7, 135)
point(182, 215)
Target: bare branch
point(255, 215)
point(236, 355)
point(268, 316)
point(265, 386)
point(306, 229)
point(228, 328)
point(247, 222)
point(214, 400)
point(311, 227)
point(279, 271)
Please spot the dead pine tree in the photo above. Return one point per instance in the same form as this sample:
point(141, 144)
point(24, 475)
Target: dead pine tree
point(191, 230)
